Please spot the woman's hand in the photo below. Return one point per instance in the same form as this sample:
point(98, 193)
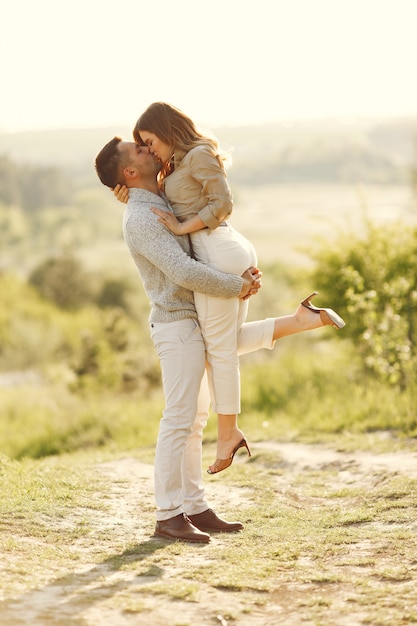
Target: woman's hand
point(122, 193)
point(169, 220)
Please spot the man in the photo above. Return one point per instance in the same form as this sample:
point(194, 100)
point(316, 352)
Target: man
point(170, 276)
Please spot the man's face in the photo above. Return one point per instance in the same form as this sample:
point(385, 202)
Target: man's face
point(140, 158)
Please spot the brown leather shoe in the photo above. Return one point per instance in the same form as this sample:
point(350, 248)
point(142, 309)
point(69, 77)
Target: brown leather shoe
point(209, 521)
point(180, 527)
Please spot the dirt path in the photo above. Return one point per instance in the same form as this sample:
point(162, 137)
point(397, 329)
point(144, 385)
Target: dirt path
point(84, 596)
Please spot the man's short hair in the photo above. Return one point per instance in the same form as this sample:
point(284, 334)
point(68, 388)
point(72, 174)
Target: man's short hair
point(110, 163)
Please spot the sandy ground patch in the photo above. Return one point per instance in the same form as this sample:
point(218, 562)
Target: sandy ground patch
point(84, 596)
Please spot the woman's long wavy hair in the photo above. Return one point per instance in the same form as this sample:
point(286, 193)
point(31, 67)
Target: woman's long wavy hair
point(175, 129)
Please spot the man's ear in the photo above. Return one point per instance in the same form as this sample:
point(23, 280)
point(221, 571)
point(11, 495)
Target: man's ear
point(130, 172)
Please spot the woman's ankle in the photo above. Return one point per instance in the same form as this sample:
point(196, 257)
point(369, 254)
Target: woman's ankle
point(233, 436)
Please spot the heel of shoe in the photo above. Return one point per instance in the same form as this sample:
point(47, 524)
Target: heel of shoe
point(225, 463)
point(328, 316)
point(245, 444)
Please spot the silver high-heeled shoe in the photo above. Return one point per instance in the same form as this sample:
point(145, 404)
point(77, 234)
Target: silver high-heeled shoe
point(327, 316)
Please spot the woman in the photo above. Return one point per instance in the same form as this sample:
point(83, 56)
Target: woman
point(193, 178)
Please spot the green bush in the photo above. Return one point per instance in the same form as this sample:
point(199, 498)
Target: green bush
point(114, 292)
point(371, 279)
point(69, 379)
point(90, 347)
point(63, 281)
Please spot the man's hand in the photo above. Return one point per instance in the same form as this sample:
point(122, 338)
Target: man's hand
point(251, 282)
point(122, 193)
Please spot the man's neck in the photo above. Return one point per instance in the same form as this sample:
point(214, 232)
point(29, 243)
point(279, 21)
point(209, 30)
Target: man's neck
point(147, 186)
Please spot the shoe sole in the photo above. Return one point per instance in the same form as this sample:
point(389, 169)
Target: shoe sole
point(220, 530)
point(161, 536)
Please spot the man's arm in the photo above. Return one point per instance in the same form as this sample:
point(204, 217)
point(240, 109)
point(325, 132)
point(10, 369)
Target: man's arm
point(147, 237)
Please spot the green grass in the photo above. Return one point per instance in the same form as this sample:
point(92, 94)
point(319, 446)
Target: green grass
point(307, 389)
point(47, 420)
point(318, 548)
point(312, 547)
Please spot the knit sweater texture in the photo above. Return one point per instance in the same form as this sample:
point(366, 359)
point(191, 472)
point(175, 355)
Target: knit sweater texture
point(169, 274)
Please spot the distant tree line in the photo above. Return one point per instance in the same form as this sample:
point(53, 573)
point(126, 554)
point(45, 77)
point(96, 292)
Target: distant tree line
point(317, 161)
point(33, 187)
point(261, 156)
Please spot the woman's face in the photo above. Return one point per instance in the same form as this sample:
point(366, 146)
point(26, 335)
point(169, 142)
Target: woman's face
point(160, 149)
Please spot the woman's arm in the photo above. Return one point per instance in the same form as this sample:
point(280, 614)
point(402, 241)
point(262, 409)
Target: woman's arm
point(179, 228)
point(206, 170)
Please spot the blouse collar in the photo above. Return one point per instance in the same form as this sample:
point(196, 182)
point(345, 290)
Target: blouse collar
point(177, 157)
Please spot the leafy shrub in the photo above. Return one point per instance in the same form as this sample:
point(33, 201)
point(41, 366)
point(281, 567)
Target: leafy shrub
point(89, 348)
point(371, 279)
point(63, 281)
point(31, 329)
point(114, 292)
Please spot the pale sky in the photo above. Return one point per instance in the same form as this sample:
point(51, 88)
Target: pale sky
point(92, 63)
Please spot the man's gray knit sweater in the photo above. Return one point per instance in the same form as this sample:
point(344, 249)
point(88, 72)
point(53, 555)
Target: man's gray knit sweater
point(168, 273)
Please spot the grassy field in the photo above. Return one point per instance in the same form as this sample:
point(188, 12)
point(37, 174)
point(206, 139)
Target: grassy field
point(328, 501)
point(329, 540)
point(328, 498)
point(283, 221)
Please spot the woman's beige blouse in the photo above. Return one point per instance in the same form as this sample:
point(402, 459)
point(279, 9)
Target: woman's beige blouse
point(199, 184)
